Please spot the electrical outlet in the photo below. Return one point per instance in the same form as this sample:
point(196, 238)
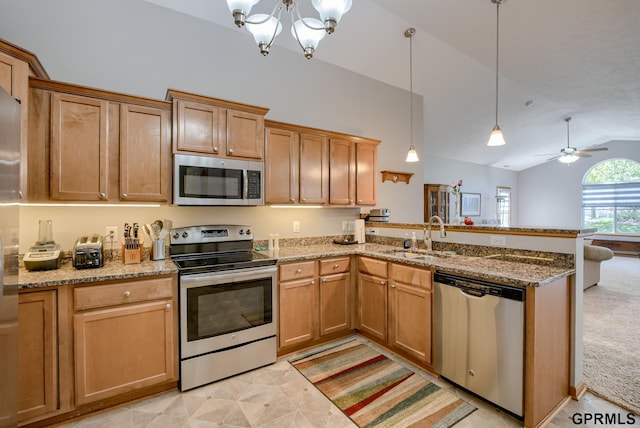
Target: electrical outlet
point(111, 232)
point(296, 226)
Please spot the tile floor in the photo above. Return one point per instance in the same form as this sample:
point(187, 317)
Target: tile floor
point(278, 396)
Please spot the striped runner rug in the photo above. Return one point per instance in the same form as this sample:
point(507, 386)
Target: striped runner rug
point(375, 391)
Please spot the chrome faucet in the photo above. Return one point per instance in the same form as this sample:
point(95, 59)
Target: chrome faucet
point(427, 232)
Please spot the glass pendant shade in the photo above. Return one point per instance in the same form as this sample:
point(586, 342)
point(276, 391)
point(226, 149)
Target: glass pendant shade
point(496, 138)
point(265, 32)
point(308, 37)
point(243, 5)
point(412, 155)
point(331, 9)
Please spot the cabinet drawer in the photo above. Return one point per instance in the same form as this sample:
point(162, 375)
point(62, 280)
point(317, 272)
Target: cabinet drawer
point(411, 275)
point(330, 266)
point(121, 293)
point(372, 266)
point(297, 270)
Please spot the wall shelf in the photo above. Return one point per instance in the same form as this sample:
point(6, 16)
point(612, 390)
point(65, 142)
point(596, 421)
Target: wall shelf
point(396, 176)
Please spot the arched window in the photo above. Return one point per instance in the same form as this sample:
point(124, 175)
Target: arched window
point(611, 197)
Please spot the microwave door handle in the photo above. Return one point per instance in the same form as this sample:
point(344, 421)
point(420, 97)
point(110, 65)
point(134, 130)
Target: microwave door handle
point(245, 184)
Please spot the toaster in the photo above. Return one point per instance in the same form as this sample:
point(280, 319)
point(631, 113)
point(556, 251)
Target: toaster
point(88, 252)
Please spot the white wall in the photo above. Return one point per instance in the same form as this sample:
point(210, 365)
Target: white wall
point(134, 47)
point(551, 193)
point(476, 179)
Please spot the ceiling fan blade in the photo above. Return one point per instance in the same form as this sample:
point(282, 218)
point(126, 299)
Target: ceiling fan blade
point(601, 149)
point(545, 154)
point(554, 158)
point(580, 154)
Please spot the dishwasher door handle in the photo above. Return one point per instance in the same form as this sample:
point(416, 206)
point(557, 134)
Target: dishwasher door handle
point(472, 292)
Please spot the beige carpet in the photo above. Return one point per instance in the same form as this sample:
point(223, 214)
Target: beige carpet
point(612, 333)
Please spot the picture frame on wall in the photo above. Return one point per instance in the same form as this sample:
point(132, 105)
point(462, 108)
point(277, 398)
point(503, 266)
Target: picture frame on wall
point(470, 204)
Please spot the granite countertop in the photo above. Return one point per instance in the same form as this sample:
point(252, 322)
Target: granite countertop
point(513, 273)
point(488, 228)
point(112, 270)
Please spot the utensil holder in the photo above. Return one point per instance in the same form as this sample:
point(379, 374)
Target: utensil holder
point(157, 249)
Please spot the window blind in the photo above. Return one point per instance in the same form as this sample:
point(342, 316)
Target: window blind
point(619, 195)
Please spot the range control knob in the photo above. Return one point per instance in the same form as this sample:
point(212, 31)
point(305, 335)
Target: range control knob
point(185, 234)
point(241, 232)
point(248, 231)
point(176, 235)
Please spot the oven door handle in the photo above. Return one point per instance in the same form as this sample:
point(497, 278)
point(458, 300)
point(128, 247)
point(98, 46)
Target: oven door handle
point(217, 278)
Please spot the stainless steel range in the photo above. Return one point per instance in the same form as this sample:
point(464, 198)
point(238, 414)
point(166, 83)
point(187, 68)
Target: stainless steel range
point(228, 303)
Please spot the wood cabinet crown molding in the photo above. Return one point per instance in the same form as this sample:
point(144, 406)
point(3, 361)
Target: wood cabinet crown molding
point(330, 134)
point(177, 94)
point(26, 56)
point(117, 97)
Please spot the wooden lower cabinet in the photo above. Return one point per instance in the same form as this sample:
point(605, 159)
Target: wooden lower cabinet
point(125, 347)
point(314, 302)
point(410, 309)
point(372, 297)
point(38, 354)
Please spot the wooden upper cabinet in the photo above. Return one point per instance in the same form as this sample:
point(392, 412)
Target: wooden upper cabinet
point(145, 151)
point(314, 169)
point(366, 167)
point(79, 148)
point(281, 166)
point(216, 127)
point(198, 127)
point(341, 172)
point(16, 65)
point(245, 134)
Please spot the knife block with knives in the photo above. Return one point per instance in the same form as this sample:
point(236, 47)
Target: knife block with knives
point(132, 244)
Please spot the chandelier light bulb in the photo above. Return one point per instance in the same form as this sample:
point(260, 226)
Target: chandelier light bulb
point(331, 11)
point(307, 37)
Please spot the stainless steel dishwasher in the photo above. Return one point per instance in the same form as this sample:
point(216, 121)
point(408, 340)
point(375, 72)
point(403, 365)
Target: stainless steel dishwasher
point(479, 338)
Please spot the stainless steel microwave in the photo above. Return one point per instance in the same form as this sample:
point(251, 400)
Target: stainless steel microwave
point(203, 180)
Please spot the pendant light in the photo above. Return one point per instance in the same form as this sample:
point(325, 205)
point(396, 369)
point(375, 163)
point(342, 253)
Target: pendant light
point(496, 138)
point(412, 155)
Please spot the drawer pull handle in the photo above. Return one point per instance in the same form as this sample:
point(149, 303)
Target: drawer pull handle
point(168, 306)
point(127, 293)
point(298, 270)
point(336, 266)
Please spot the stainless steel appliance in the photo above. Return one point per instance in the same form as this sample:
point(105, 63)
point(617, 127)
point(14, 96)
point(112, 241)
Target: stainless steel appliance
point(88, 252)
point(379, 215)
point(228, 303)
point(479, 338)
point(204, 180)
point(45, 254)
point(9, 247)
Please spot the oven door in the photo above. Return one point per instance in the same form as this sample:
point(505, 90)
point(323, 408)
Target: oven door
point(226, 309)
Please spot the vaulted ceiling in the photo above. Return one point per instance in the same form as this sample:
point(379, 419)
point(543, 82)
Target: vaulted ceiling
point(558, 58)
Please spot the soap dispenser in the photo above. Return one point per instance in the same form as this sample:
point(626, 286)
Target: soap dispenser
point(414, 241)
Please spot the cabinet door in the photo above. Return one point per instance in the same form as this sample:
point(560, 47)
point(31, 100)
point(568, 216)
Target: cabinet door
point(314, 169)
point(144, 153)
point(372, 307)
point(199, 127)
point(79, 148)
point(281, 167)
point(366, 167)
point(410, 319)
point(38, 354)
point(298, 321)
point(335, 301)
point(341, 172)
point(14, 78)
point(122, 349)
point(245, 135)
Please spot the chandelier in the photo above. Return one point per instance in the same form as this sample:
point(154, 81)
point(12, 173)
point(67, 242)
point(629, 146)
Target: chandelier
point(307, 31)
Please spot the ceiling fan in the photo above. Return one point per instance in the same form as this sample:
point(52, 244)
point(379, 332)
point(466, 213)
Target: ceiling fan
point(571, 154)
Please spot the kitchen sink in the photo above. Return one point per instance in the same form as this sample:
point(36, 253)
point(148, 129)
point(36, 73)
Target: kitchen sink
point(418, 255)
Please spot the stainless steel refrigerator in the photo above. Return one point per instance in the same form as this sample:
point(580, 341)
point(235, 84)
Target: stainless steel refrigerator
point(9, 215)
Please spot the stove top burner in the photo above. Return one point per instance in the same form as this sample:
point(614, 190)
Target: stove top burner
point(215, 262)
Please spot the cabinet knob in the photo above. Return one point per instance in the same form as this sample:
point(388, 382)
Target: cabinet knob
point(125, 196)
point(230, 151)
point(350, 201)
point(215, 149)
point(127, 293)
point(393, 286)
point(359, 201)
point(304, 199)
point(336, 266)
point(383, 282)
point(324, 279)
point(20, 194)
point(168, 306)
point(102, 195)
point(292, 199)
point(313, 281)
